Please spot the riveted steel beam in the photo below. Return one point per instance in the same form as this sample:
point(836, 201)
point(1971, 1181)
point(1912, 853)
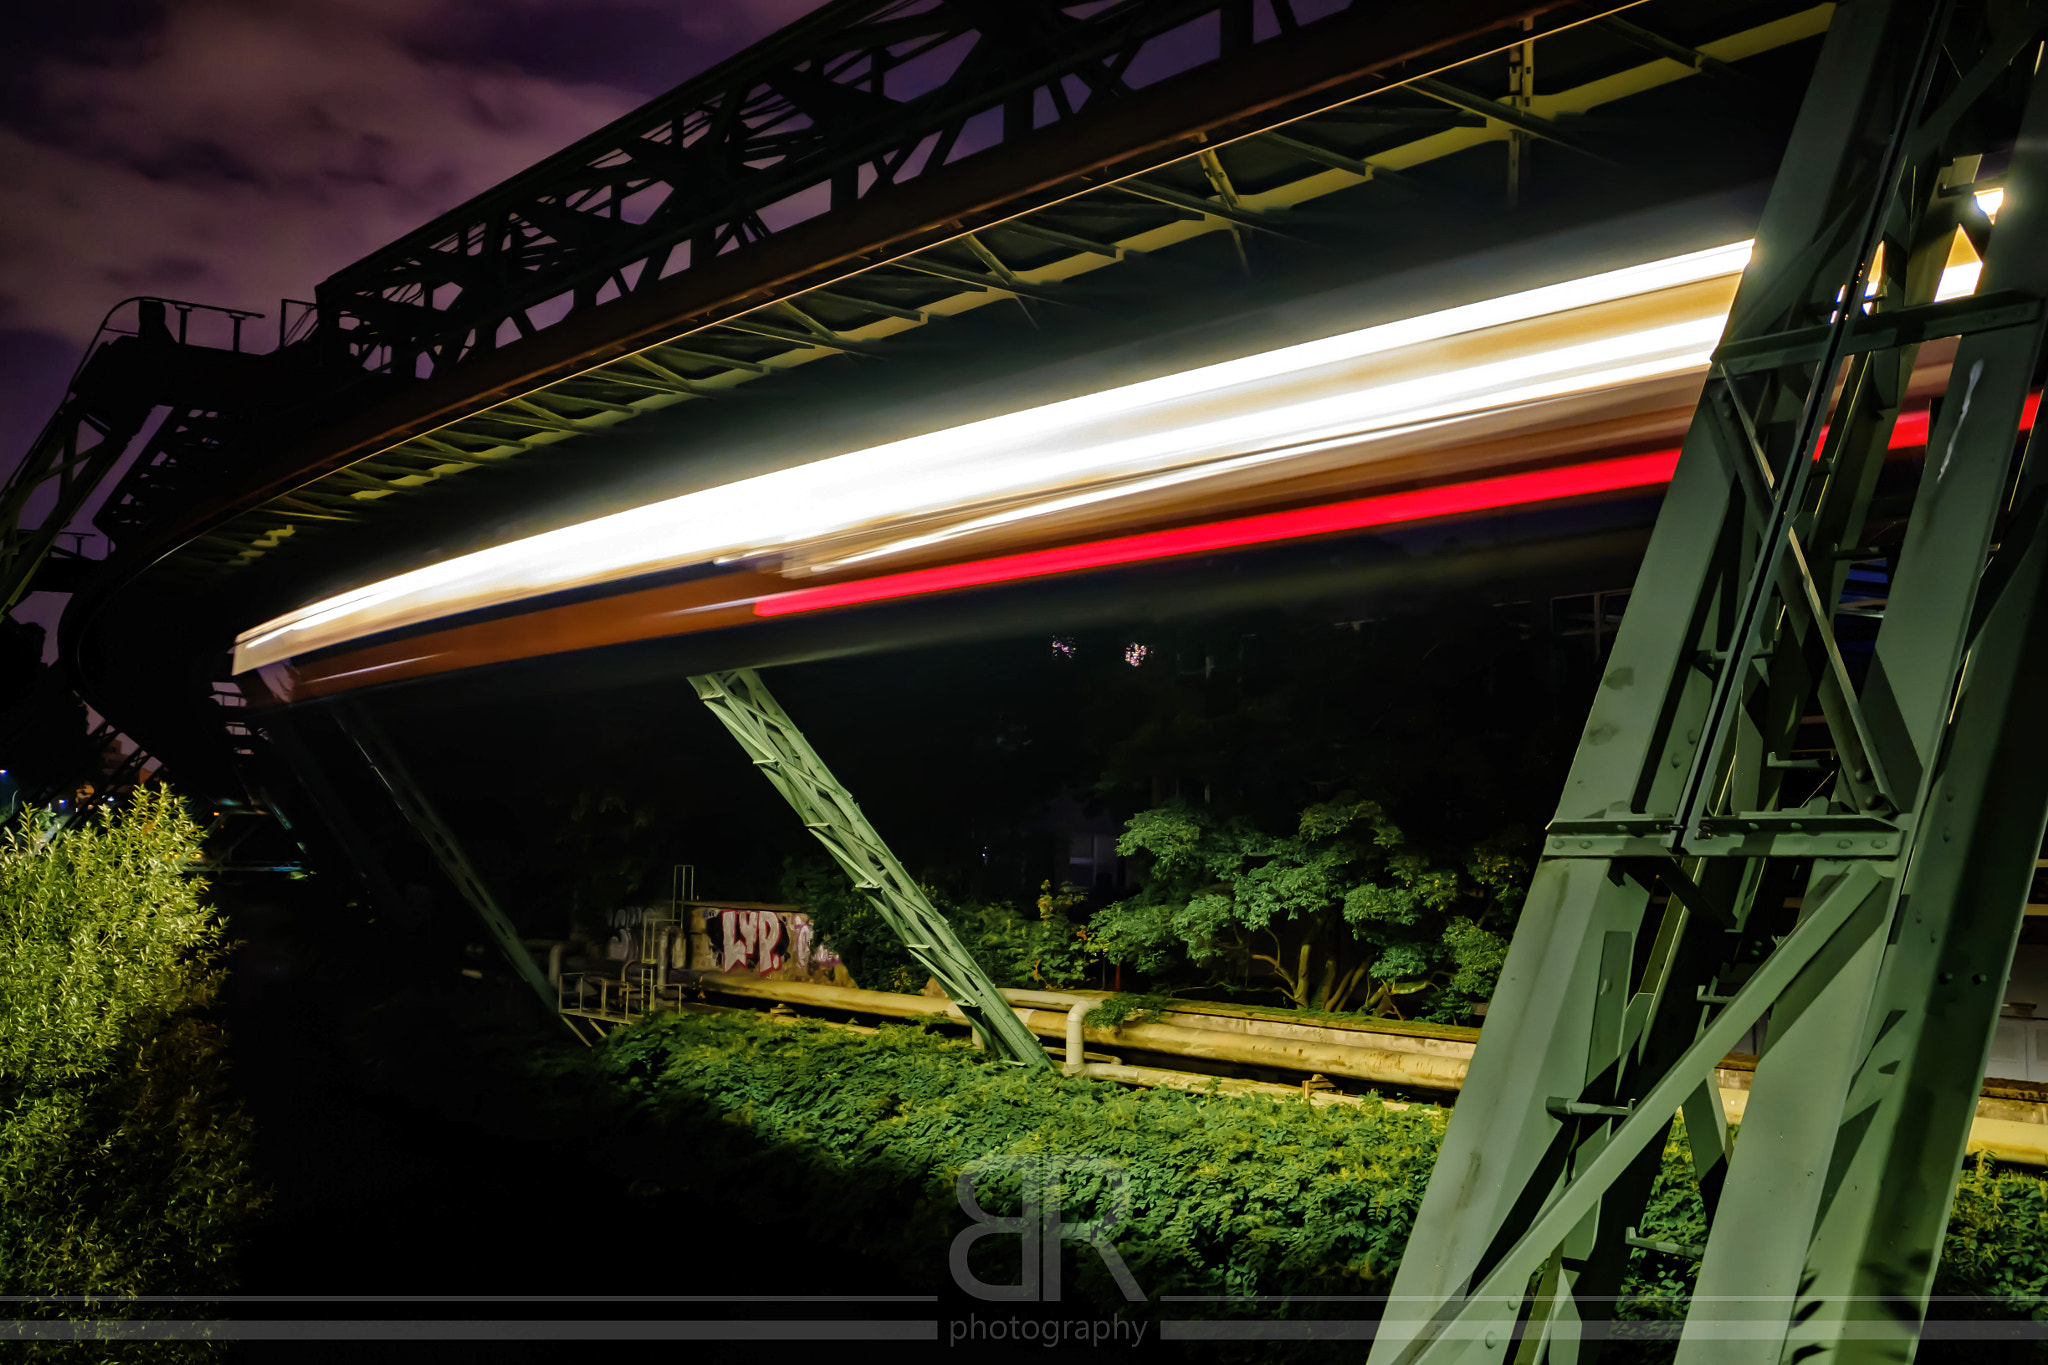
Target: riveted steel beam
point(744, 705)
point(1917, 845)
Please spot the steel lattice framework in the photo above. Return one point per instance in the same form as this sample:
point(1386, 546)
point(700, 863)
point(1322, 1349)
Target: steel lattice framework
point(1652, 941)
point(856, 99)
point(745, 706)
point(842, 192)
point(881, 167)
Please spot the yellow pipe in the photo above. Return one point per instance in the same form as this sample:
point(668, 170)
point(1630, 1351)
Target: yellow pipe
point(2007, 1130)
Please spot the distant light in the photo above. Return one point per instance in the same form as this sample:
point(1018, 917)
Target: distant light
point(1135, 655)
point(1991, 201)
point(1062, 647)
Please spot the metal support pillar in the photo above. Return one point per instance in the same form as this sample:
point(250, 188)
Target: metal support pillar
point(441, 841)
point(742, 702)
point(1522, 96)
point(1652, 937)
point(291, 747)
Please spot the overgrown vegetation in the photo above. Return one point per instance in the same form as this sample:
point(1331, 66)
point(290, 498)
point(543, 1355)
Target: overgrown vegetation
point(862, 1136)
point(124, 1167)
point(865, 1134)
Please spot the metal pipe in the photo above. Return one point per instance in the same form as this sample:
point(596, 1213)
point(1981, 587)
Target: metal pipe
point(1376, 1058)
point(2008, 1130)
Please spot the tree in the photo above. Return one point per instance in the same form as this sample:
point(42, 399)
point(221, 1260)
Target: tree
point(124, 1166)
point(1344, 909)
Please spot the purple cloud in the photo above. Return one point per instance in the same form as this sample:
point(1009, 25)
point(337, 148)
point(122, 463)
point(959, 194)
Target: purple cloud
point(238, 151)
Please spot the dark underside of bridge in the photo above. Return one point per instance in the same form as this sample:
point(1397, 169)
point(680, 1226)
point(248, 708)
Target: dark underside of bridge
point(332, 462)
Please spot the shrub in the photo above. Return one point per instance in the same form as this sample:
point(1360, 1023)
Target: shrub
point(123, 1166)
point(861, 1136)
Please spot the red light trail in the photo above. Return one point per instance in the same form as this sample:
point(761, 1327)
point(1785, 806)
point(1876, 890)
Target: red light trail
point(1358, 514)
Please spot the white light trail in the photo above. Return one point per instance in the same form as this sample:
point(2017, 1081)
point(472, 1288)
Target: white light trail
point(1259, 407)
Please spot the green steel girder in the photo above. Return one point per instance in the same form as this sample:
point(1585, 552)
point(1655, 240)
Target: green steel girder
point(1050, 249)
point(743, 704)
point(426, 822)
point(1826, 1216)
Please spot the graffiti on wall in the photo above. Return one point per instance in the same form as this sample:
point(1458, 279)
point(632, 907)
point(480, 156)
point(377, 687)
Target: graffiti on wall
point(769, 942)
point(624, 923)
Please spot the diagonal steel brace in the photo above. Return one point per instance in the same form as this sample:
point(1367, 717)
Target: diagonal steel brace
point(1833, 922)
point(743, 704)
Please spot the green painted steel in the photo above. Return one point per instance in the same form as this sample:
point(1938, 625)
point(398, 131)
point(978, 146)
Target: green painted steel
point(1652, 938)
point(742, 702)
point(440, 840)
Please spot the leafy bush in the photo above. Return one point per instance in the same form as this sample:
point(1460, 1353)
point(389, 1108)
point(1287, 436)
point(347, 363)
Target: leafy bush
point(123, 1166)
point(1345, 909)
point(1997, 1246)
point(861, 1136)
point(1045, 951)
point(865, 1135)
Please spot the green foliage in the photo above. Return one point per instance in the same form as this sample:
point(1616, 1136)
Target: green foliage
point(1346, 908)
point(1042, 951)
point(859, 1138)
point(865, 1134)
point(123, 1166)
point(1997, 1247)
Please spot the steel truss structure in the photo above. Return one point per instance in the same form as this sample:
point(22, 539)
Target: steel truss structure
point(744, 705)
point(127, 372)
point(882, 166)
point(1653, 937)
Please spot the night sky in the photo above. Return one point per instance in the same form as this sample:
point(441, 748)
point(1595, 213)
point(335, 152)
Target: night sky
point(238, 151)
